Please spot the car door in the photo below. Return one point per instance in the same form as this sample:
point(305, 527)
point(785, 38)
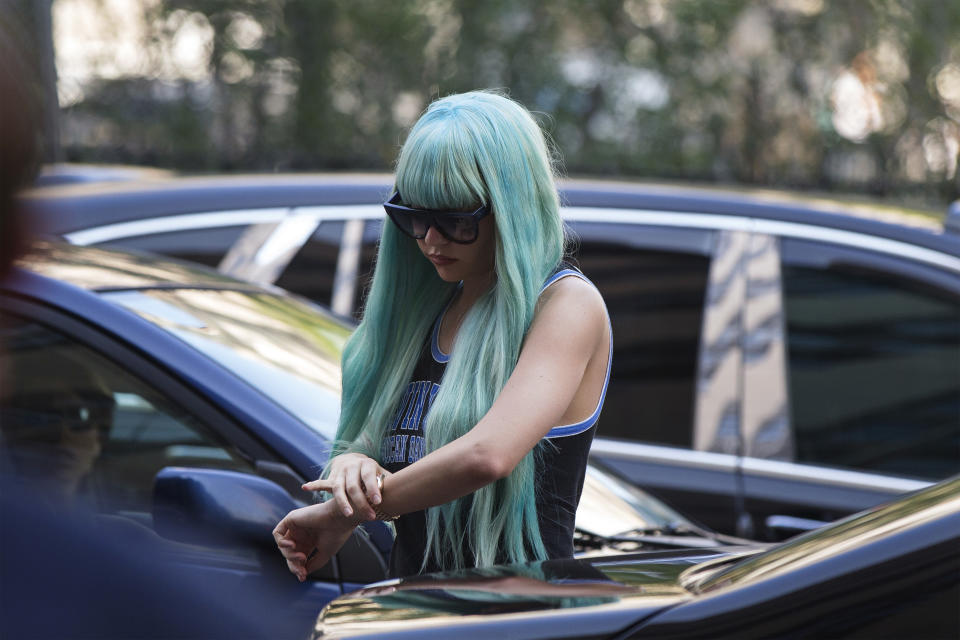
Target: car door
point(90, 423)
point(871, 344)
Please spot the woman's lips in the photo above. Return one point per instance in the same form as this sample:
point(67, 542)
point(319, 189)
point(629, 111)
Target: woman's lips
point(440, 260)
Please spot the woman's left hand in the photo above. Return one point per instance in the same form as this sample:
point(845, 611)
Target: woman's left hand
point(308, 537)
point(352, 481)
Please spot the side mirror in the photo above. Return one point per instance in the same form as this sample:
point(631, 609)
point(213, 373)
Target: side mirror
point(215, 507)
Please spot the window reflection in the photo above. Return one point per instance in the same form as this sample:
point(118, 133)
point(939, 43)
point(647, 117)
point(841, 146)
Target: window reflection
point(112, 269)
point(284, 348)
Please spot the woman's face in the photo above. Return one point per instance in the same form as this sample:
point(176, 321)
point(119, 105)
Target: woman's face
point(455, 262)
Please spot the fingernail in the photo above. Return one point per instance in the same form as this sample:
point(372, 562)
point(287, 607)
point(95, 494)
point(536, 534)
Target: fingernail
point(376, 499)
point(348, 512)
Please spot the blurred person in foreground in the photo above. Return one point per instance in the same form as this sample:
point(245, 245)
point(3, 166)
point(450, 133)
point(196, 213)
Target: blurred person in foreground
point(63, 574)
point(19, 148)
point(473, 385)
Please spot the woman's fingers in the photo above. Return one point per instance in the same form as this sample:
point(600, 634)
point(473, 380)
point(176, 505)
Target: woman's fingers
point(297, 570)
point(348, 491)
point(368, 475)
point(318, 485)
point(357, 494)
point(280, 531)
point(353, 484)
point(340, 495)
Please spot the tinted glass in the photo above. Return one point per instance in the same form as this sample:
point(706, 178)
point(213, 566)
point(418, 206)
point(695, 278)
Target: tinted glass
point(206, 246)
point(82, 429)
point(312, 270)
point(653, 281)
point(874, 370)
point(368, 256)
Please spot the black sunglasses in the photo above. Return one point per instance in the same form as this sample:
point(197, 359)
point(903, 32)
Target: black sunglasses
point(456, 226)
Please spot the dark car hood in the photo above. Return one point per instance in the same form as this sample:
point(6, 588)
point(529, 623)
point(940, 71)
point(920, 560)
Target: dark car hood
point(584, 597)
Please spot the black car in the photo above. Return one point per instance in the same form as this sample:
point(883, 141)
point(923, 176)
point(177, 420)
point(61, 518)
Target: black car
point(778, 362)
point(892, 571)
point(182, 410)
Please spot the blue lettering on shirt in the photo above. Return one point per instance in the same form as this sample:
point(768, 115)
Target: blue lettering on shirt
point(412, 411)
point(415, 391)
point(392, 449)
point(416, 449)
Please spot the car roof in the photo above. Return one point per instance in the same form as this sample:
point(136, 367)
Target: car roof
point(97, 269)
point(62, 173)
point(66, 208)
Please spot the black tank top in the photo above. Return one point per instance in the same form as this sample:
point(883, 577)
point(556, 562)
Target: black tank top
point(559, 476)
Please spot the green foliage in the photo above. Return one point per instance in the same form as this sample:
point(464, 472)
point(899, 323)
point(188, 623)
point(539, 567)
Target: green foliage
point(730, 90)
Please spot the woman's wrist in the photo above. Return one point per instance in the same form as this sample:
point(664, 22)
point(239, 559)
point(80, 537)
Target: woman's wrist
point(332, 511)
point(378, 508)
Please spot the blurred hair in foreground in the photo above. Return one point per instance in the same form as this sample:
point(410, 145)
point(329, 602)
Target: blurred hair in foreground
point(19, 140)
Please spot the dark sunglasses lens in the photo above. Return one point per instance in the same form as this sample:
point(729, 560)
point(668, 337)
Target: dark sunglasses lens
point(461, 229)
point(404, 220)
point(419, 223)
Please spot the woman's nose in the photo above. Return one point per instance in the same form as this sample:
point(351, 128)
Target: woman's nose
point(433, 236)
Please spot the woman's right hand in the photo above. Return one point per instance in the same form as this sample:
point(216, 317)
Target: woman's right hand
point(308, 537)
point(353, 483)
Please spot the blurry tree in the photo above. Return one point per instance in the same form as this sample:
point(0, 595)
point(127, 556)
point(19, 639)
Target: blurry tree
point(856, 95)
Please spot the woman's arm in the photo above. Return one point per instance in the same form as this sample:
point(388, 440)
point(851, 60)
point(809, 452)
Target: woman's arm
point(569, 329)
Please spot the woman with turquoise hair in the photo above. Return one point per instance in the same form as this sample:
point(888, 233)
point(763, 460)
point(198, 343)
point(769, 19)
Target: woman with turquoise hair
point(472, 386)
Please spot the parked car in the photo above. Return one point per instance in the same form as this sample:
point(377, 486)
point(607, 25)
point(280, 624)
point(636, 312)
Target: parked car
point(185, 408)
point(889, 572)
point(778, 362)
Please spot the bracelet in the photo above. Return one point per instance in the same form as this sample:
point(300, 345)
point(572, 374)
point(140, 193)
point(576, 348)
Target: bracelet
point(381, 514)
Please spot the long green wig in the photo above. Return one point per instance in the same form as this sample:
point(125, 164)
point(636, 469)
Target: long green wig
point(467, 148)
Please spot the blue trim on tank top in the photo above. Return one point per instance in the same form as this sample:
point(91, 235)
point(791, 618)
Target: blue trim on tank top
point(440, 356)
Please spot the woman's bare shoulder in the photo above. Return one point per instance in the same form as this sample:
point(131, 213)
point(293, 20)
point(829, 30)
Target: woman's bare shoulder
point(572, 302)
point(571, 290)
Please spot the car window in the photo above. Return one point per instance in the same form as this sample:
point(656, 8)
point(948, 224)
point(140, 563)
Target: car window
point(368, 256)
point(317, 269)
point(874, 369)
point(205, 246)
point(653, 281)
point(311, 271)
point(84, 430)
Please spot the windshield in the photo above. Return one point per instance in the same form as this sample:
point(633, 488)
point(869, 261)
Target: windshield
point(839, 537)
point(610, 507)
point(286, 349)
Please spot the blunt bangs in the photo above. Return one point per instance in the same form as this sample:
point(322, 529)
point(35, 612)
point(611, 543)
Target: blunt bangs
point(438, 167)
